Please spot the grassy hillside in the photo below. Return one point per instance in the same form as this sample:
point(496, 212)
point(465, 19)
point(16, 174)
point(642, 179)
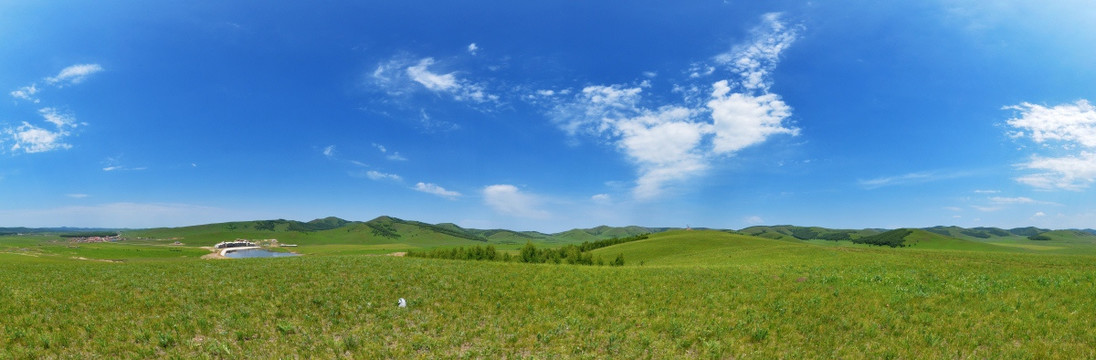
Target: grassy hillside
point(383, 234)
point(698, 294)
point(921, 239)
point(708, 248)
point(789, 232)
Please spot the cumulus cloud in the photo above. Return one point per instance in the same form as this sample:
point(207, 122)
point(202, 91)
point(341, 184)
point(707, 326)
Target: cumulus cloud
point(29, 138)
point(74, 74)
point(672, 143)
point(509, 200)
point(473, 48)
point(436, 190)
point(743, 119)
point(1069, 128)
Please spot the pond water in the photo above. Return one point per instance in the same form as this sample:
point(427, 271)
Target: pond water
point(256, 253)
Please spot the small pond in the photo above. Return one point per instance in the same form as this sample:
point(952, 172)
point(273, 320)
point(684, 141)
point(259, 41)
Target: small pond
point(256, 253)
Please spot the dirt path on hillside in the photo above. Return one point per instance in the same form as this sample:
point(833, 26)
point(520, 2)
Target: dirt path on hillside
point(214, 253)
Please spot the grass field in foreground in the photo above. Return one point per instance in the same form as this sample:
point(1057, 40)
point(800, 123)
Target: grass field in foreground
point(698, 295)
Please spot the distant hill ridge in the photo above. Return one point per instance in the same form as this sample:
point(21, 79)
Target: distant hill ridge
point(392, 229)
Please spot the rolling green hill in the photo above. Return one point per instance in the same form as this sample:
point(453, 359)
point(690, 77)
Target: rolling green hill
point(380, 235)
point(790, 232)
point(708, 247)
point(922, 239)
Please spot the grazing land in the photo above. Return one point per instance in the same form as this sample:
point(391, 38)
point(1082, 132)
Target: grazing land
point(680, 294)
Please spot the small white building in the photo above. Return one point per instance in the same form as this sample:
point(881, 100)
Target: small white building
point(233, 244)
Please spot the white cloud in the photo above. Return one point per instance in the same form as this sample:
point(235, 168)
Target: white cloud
point(1062, 128)
point(33, 139)
point(753, 61)
point(436, 190)
point(329, 151)
point(402, 76)
point(73, 74)
point(1039, 214)
point(448, 83)
point(394, 156)
point(473, 48)
point(742, 120)
point(377, 175)
point(432, 81)
point(26, 93)
point(670, 144)
point(602, 198)
point(77, 196)
point(1074, 123)
point(1066, 173)
point(986, 191)
point(509, 200)
point(29, 138)
point(754, 220)
point(911, 178)
point(1017, 200)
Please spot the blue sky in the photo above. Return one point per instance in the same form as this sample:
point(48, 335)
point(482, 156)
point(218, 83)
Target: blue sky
point(550, 115)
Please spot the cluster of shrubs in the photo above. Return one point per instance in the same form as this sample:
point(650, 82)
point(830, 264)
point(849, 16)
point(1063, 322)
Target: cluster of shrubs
point(570, 254)
point(893, 238)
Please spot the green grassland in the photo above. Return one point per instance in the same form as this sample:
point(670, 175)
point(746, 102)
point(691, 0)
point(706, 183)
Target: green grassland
point(681, 294)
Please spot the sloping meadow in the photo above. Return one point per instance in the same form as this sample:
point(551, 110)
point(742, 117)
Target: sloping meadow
point(816, 302)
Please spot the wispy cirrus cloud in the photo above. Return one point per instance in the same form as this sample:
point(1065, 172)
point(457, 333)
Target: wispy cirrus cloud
point(403, 75)
point(671, 143)
point(1064, 128)
point(920, 177)
point(377, 175)
point(26, 93)
point(74, 74)
point(393, 156)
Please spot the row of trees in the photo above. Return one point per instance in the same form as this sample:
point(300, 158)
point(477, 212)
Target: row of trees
point(488, 253)
point(570, 254)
